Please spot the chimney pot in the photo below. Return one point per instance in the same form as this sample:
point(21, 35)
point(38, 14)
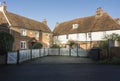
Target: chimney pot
point(44, 21)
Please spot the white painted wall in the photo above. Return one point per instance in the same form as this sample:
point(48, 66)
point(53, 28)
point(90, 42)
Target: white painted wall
point(82, 37)
point(96, 36)
point(62, 39)
point(72, 37)
point(113, 31)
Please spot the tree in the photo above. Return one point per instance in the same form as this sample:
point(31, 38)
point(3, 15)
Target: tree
point(37, 45)
point(6, 42)
point(112, 36)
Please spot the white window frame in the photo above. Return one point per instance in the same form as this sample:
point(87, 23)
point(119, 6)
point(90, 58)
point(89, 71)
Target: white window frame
point(36, 34)
point(75, 26)
point(24, 44)
point(23, 32)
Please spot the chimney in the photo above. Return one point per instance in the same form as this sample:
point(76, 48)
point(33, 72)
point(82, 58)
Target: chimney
point(57, 24)
point(99, 12)
point(3, 6)
point(44, 21)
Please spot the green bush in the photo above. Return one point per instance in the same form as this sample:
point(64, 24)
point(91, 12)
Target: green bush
point(6, 42)
point(37, 46)
point(114, 60)
point(55, 46)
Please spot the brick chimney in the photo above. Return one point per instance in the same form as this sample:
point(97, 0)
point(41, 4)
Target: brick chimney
point(99, 12)
point(44, 21)
point(3, 6)
point(57, 24)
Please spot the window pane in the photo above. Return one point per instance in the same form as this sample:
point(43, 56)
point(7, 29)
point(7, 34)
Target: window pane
point(23, 32)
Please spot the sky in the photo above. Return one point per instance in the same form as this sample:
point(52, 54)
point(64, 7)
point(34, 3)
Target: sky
point(61, 10)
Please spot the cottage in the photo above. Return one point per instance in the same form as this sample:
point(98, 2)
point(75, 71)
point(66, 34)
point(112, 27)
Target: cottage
point(86, 31)
point(25, 31)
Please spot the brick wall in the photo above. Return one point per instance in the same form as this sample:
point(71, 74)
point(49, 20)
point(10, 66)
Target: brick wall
point(44, 38)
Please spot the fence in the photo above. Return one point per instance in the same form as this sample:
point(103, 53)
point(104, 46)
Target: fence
point(24, 55)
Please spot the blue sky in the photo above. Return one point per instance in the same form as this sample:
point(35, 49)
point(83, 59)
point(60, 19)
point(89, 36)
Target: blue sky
point(61, 10)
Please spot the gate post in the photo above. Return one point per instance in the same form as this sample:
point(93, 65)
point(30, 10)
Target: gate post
point(69, 51)
point(39, 52)
point(77, 50)
point(44, 51)
point(18, 56)
point(6, 58)
point(30, 54)
point(48, 51)
point(59, 51)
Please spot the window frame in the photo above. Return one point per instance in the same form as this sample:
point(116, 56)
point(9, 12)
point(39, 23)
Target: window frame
point(24, 44)
point(74, 26)
point(23, 32)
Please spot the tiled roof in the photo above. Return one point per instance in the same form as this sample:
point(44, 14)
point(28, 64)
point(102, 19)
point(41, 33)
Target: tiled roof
point(23, 22)
point(87, 24)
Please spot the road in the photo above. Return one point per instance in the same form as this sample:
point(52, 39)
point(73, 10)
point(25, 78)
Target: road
point(60, 72)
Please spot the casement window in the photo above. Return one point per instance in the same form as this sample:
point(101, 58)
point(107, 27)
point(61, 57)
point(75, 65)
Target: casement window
point(23, 44)
point(75, 26)
point(23, 32)
point(37, 34)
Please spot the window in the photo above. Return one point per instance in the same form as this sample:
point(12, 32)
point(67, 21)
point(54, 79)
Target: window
point(37, 34)
point(75, 26)
point(67, 36)
point(23, 44)
point(47, 35)
point(23, 32)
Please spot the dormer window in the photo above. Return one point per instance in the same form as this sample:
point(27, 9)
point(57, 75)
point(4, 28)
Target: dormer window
point(23, 32)
point(75, 26)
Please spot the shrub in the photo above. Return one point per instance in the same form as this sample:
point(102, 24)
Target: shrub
point(37, 45)
point(114, 60)
point(55, 46)
point(6, 42)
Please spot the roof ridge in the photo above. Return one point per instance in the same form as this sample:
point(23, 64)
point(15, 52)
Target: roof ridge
point(24, 17)
point(76, 19)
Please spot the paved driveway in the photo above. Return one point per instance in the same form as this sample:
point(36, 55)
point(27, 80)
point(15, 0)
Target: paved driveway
point(59, 60)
